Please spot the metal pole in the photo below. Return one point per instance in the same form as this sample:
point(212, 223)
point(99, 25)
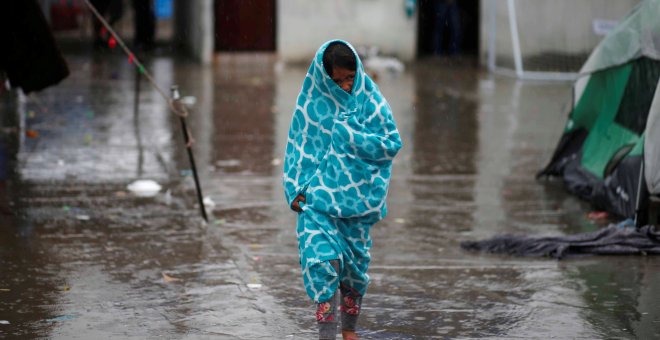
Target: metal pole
point(638, 201)
point(492, 35)
point(136, 123)
point(515, 39)
point(182, 113)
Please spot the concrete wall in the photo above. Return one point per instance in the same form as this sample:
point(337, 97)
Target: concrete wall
point(303, 25)
point(557, 26)
point(194, 28)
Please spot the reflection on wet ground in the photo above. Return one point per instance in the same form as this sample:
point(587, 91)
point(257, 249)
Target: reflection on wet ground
point(83, 257)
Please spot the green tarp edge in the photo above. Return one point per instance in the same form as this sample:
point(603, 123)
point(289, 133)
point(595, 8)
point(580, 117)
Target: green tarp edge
point(595, 112)
point(597, 97)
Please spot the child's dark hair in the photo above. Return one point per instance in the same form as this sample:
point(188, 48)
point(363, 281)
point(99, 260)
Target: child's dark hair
point(338, 54)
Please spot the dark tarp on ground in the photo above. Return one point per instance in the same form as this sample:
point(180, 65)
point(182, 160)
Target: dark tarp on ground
point(29, 55)
point(612, 240)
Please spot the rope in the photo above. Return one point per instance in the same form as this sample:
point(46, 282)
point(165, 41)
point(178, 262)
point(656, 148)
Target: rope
point(174, 103)
point(175, 106)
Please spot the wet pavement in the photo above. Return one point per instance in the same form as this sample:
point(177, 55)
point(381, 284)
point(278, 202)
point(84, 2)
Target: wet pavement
point(82, 257)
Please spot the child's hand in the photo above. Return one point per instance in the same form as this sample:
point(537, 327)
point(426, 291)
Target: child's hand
point(295, 205)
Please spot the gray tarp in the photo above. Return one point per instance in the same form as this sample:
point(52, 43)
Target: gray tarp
point(636, 36)
point(612, 240)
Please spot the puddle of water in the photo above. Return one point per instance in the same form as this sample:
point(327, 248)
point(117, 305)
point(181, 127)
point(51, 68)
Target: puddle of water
point(146, 267)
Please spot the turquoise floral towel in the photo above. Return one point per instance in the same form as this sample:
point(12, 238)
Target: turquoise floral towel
point(339, 155)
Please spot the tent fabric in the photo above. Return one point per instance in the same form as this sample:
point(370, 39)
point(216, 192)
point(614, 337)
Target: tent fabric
point(617, 194)
point(568, 149)
point(602, 100)
point(638, 35)
point(605, 131)
point(637, 98)
point(611, 138)
point(652, 146)
point(603, 91)
point(614, 107)
point(611, 240)
point(589, 122)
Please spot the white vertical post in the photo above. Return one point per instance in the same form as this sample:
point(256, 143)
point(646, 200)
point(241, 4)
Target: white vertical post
point(513, 23)
point(207, 34)
point(194, 28)
point(492, 34)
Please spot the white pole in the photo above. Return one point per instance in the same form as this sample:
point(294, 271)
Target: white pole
point(206, 34)
point(492, 36)
point(513, 23)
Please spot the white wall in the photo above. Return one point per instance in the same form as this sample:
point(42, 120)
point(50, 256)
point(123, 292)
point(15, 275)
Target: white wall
point(563, 26)
point(304, 25)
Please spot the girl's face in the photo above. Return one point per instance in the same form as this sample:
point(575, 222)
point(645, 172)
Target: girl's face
point(343, 77)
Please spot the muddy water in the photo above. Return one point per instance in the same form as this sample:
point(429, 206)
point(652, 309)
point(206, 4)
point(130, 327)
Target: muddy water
point(83, 258)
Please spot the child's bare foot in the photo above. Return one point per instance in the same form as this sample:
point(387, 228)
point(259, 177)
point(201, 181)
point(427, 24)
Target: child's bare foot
point(349, 335)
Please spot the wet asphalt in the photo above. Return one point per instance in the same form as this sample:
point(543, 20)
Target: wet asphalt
point(81, 257)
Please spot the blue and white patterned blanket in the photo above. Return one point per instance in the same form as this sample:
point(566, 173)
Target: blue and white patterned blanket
point(339, 155)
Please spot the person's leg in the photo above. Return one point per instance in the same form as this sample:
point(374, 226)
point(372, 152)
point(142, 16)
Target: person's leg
point(454, 22)
point(115, 11)
point(440, 23)
point(326, 313)
point(351, 303)
point(145, 23)
point(100, 35)
point(331, 250)
point(354, 277)
point(5, 208)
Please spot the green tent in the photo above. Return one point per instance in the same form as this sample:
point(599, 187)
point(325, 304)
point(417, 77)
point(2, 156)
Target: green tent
point(609, 153)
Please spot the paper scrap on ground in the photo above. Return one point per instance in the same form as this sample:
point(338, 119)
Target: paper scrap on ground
point(144, 188)
point(208, 202)
point(169, 279)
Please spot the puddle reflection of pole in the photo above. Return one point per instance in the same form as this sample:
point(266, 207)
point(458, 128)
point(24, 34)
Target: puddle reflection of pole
point(182, 113)
point(136, 124)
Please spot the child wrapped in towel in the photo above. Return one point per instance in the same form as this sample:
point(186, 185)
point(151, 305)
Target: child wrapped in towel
point(337, 171)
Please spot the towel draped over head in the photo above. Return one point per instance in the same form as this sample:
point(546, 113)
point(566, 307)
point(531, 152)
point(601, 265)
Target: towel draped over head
point(341, 145)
